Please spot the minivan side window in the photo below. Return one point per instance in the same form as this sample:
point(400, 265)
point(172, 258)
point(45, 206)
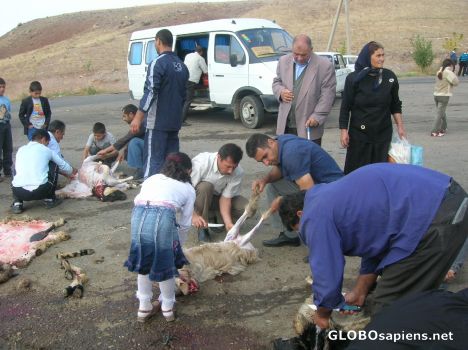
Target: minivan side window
point(135, 54)
point(151, 53)
point(226, 45)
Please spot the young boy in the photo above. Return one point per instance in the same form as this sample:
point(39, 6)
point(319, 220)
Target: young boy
point(35, 110)
point(99, 140)
point(6, 140)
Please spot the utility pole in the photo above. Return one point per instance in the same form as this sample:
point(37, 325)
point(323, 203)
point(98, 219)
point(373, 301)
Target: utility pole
point(348, 31)
point(335, 22)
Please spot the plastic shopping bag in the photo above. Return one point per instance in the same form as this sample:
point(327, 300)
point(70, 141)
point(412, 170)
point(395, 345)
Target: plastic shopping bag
point(400, 151)
point(417, 155)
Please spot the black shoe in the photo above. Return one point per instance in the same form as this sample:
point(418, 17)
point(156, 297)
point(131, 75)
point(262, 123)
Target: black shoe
point(282, 240)
point(52, 203)
point(204, 235)
point(17, 208)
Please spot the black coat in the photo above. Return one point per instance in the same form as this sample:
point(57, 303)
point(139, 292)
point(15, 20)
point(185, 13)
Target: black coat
point(26, 110)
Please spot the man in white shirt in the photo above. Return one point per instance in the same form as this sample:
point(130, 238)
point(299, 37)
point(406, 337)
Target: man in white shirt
point(217, 179)
point(35, 173)
point(196, 66)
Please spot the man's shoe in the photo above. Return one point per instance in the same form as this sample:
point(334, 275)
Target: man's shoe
point(282, 240)
point(52, 203)
point(17, 208)
point(204, 235)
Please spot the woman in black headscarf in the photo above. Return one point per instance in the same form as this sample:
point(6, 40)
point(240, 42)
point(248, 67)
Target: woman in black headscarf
point(370, 98)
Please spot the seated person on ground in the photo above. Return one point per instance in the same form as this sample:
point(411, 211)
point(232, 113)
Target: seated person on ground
point(217, 179)
point(130, 146)
point(35, 177)
point(99, 140)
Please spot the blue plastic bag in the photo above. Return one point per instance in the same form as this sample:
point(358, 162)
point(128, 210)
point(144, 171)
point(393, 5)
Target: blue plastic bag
point(417, 155)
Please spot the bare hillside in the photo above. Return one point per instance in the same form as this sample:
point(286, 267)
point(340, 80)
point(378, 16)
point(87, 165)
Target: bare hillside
point(86, 52)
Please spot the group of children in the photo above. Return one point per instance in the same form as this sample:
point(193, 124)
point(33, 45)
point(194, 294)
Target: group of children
point(35, 114)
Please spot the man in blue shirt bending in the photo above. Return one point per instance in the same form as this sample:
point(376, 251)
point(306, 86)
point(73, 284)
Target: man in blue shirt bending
point(407, 223)
point(297, 164)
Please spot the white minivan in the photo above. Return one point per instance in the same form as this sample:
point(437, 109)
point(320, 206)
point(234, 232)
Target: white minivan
point(341, 70)
point(241, 54)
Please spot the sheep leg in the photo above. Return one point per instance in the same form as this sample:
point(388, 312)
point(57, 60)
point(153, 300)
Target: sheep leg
point(234, 231)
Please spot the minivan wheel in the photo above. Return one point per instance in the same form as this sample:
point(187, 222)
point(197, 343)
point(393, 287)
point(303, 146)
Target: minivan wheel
point(251, 113)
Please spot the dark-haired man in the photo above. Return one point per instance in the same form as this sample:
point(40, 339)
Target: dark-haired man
point(297, 164)
point(162, 102)
point(35, 178)
point(196, 65)
point(131, 145)
point(406, 222)
point(217, 179)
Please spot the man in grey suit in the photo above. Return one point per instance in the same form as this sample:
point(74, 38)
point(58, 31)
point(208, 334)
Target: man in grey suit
point(305, 87)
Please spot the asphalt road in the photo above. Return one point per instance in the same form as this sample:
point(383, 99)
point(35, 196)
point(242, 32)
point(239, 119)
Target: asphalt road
point(240, 312)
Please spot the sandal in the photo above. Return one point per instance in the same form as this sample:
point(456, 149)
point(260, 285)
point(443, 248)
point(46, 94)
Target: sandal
point(169, 315)
point(145, 315)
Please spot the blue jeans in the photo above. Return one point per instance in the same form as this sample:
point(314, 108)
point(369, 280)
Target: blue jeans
point(155, 249)
point(135, 153)
point(31, 132)
point(158, 144)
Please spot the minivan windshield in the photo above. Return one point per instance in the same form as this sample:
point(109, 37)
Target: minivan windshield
point(266, 43)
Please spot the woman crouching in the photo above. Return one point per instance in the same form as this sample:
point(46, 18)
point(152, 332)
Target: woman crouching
point(155, 251)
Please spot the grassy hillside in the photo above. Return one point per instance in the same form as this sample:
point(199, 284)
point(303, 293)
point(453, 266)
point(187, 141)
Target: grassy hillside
point(86, 52)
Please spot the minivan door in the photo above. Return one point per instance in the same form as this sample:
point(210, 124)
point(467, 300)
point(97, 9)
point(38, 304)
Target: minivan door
point(341, 72)
point(228, 67)
point(136, 69)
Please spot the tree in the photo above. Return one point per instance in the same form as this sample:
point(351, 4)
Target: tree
point(422, 52)
point(453, 42)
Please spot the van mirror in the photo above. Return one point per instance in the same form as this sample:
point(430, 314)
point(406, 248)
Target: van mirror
point(233, 60)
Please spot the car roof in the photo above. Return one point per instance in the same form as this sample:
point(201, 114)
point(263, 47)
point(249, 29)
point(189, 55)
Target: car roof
point(229, 25)
point(327, 53)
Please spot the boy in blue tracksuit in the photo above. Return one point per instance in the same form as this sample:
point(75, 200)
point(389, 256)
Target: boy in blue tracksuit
point(162, 102)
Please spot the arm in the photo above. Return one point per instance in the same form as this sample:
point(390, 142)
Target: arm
point(305, 182)
point(326, 99)
point(225, 210)
point(47, 112)
point(85, 152)
point(273, 176)
point(62, 164)
point(107, 150)
point(395, 108)
point(24, 118)
point(345, 110)
point(122, 142)
point(203, 66)
point(280, 91)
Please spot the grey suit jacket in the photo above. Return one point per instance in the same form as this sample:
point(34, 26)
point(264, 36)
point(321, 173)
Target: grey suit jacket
point(315, 97)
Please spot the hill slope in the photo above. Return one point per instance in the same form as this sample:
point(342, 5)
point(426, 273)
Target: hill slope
point(87, 51)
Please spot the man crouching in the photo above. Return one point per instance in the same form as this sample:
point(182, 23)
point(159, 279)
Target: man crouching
point(407, 223)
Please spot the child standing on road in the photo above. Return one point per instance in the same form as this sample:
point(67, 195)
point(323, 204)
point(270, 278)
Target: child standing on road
point(35, 110)
point(155, 251)
point(6, 140)
point(100, 139)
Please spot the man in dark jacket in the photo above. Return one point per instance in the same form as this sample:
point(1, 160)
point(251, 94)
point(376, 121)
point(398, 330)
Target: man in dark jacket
point(162, 102)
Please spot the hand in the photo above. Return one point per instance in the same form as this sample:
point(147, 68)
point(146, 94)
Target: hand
point(450, 276)
point(322, 321)
point(121, 157)
point(135, 126)
point(312, 122)
point(401, 132)
point(102, 152)
point(286, 95)
point(344, 138)
point(258, 186)
point(228, 226)
point(198, 221)
point(30, 126)
point(276, 204)
point(355, 298)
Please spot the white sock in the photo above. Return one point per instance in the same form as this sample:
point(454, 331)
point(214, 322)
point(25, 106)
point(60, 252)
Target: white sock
point(167, 296)
point(144, 292)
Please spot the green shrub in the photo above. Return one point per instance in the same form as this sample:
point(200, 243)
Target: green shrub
point(422, 52)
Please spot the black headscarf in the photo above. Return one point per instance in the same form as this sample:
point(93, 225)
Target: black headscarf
point(363, 67)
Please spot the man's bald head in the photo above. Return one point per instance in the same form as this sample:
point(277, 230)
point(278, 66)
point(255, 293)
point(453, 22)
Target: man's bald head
point(302, 48)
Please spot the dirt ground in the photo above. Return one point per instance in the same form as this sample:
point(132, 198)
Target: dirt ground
point(246, 311)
